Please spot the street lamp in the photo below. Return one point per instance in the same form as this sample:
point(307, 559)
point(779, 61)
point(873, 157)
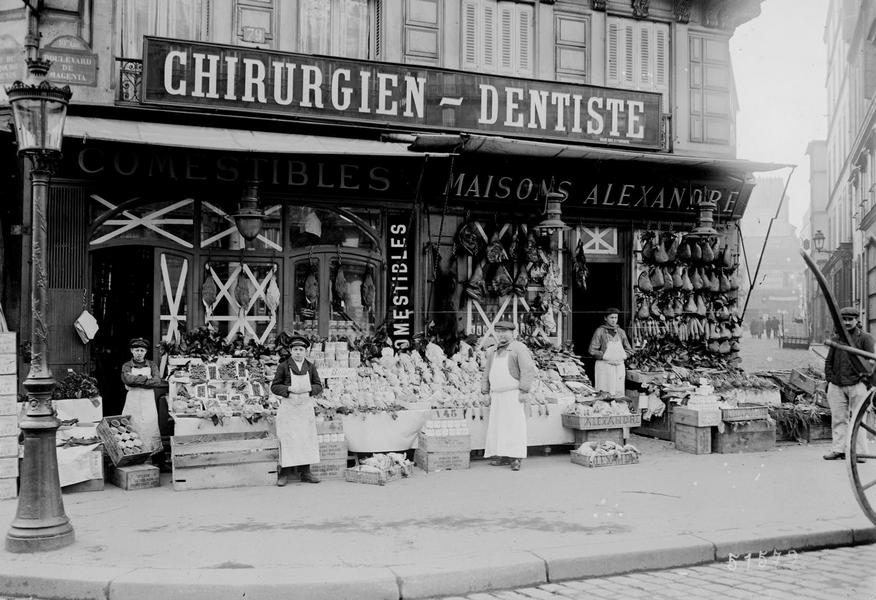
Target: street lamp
point(553, 214)
point(818, 240)
point(248, 217)
point(38, 110)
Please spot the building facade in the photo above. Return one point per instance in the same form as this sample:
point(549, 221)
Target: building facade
point(385, 141)
point(815, 222)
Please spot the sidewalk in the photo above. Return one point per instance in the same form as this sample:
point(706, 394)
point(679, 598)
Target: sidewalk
point(445, 533)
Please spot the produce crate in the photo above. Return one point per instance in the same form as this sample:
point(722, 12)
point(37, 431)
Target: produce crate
point(615, 435)
point(744, 412)
point(607, 422)
point(695, 440)
point(807, 383)
point(624, 458)
point(223, 460)
point(757, 436)
point(696, 418)
point(382, 477)
point(442, 461)
point(330, 469)
point(136, 477)
point(120, 456)
point(444, 443)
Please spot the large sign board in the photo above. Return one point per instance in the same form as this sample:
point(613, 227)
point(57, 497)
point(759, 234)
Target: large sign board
point(304, 86)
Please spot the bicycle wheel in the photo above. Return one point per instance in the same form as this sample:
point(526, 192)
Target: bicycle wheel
point(863, 475)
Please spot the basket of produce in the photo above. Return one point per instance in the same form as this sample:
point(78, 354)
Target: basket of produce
point(604, 454)
point(380, 469)
point(600, 414)
point(122, 443)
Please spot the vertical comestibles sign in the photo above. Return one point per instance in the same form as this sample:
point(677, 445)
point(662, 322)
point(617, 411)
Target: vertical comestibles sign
point(399, 280)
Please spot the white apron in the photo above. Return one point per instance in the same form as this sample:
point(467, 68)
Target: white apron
point(140, 404)
point(296, 425)
point(608, 377)
point(506, 429)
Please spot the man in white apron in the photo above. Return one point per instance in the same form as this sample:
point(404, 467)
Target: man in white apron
point(508, 376)
point(141, 377)
point(610, 347)
point(295, 381)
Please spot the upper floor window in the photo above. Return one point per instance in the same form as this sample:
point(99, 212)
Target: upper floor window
point(334, 27)
point(712, 98)
point(181, 19)
point(572, 33)
point(497, 37)
point(638, 56)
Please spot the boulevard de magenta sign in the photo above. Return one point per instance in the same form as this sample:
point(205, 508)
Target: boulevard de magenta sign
point(303, 86)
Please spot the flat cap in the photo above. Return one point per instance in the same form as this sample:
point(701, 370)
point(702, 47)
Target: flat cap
point(507, 325)
point(299, 341)
point(850, 311)
point(138, 343)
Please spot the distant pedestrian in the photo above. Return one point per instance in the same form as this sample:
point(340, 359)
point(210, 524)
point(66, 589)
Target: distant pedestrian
point(508, 375)
point(845, 385)
point(756, 328)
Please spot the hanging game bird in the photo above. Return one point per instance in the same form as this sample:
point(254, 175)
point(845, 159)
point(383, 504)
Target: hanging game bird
point(580, 267)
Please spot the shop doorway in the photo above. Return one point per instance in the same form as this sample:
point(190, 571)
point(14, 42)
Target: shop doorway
point(123, 296)
point(605, 288)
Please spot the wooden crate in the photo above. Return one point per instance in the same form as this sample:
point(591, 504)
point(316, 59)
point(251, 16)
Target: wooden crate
point(807, 383)
point(442, 461)
point(744, 412)
point(696, 418)
point(326, 427)
point(695, 440)
point(444, 443)
point(330, 469)
point(818, 432)
point(757, 436)
point(136, 477)
point(222, 460)
point(332, 450)
point(615, 435)
point(625, 458)
point(121, 457)
point(606, 422)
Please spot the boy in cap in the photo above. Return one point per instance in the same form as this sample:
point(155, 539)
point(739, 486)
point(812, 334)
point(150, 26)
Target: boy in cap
point(508, 375)
point(141, 377)
point(845, 385)
point(295, 381)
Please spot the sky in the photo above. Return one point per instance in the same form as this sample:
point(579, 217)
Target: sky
point(780, 63)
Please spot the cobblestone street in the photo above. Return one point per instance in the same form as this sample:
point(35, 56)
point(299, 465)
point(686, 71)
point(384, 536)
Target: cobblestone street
point(767, 355)
point(821, 575)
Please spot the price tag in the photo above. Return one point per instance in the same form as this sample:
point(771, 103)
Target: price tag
point(568, 369)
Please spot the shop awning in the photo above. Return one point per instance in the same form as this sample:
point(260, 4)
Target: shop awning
point(501, 146)
point(232, 140)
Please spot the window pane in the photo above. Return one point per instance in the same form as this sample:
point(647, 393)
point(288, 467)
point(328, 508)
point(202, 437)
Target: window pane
point(169, 222)
point(174, 272)
point(184, 19)
point(218, 229)
point(307, 294)
point(353, 296)
point(241, 305)
point(315, 226)
point(354, 28)
point(315, 26)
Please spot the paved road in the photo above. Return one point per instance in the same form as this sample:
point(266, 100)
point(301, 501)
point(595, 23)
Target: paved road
point(766, 355)
point(837, 574)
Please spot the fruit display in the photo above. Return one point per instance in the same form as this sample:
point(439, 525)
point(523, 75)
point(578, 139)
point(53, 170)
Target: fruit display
point(127, 440)
point(606, 449)
point(598, 408)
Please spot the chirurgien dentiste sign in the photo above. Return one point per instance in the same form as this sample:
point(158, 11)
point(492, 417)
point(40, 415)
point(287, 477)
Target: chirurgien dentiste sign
point(304, 86)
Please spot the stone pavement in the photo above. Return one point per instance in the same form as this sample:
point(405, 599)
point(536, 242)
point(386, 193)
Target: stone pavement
point(836, 574)
point(445, 533)
point(765, 355)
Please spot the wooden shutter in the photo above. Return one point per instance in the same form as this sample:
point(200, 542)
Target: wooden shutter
point(613, 39)
point(489, 52)
point(506, 38)
point(524, 39)
point(68, 275)
point(469, 34)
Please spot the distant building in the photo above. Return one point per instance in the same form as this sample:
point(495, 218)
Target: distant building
point(815, 223)
point(777, 286)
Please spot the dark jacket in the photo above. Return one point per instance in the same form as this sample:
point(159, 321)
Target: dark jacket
point(141, 381)
point(838, 367)
point(283, 377)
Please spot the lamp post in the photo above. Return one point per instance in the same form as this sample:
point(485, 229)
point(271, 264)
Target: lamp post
point(818, 240)
point(38, 110)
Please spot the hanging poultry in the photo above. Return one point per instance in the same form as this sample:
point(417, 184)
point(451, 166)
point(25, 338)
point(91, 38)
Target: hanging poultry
point(580, 268)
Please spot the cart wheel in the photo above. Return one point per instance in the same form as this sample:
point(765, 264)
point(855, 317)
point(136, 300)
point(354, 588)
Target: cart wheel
point(863, 475)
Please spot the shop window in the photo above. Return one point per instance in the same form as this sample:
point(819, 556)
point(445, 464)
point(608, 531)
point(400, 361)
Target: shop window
point(712, 102)
point(347, 228)
point(353, 294)
point(497, 37)
point(334, 27)
point(638, 56)
point(242, 304)
point(422, 33)
point(180, 19)
point(159, 222)
point(174, 273)
point(572, 33)
point(218, 230)
point(597, 240)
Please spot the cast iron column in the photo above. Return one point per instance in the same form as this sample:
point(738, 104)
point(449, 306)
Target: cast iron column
point(40, 522)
